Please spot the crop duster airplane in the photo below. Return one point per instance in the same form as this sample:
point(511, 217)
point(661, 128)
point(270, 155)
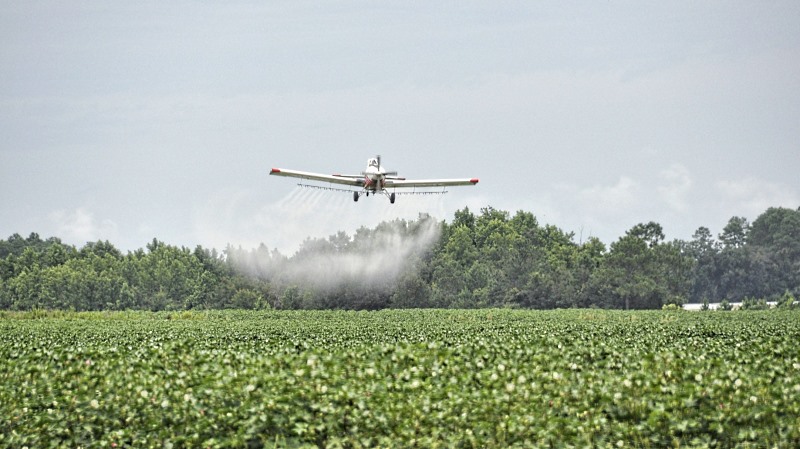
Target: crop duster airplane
point(375, 179)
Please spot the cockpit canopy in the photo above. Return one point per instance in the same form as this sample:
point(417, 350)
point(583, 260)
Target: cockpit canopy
point(372, 162)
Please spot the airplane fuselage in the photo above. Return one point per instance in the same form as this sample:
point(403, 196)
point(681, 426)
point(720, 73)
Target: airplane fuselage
point(374, 176)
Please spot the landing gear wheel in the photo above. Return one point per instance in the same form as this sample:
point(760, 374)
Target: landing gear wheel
point(391, 198)
point(355, 196)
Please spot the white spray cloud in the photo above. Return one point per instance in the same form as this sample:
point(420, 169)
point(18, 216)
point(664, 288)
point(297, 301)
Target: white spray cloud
point(240, 218)
point(322, 239)
point(371, 259)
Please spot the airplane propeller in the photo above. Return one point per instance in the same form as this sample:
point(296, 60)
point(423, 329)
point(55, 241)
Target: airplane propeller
point(388, 173)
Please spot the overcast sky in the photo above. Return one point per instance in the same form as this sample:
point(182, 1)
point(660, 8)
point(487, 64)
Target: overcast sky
point(127, 121)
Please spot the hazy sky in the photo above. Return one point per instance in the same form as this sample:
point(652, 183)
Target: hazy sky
point(127, 121)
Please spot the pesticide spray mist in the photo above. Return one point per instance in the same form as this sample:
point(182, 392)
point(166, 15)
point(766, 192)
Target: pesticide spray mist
point(372, 258)
point(370, 262)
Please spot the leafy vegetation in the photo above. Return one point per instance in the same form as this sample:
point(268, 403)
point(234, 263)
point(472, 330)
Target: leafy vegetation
point(489, 259)
point(424, 378)
point(48, 274)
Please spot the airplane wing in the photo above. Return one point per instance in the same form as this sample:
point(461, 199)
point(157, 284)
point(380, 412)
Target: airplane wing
point(430, 182)
point(350, 180)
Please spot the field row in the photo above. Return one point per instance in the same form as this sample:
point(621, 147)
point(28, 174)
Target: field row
point(489, 378)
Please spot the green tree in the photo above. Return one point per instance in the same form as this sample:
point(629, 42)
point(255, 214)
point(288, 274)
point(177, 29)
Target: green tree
point(787, 301)
point(641, 272)
point(58, 254)
point(775, 238)
point(15, 244)
point(734, 234)
point(589, 258)
point(743, 272)
point(411, 291)
point(248, 299)
point(651, 233)
point(165, 277)
point(705, 273)
point(101, 249)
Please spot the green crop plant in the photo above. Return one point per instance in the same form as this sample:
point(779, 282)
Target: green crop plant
point(424, 378)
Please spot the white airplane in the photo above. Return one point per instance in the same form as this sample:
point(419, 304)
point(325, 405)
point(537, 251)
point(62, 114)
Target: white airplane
point(375, 179)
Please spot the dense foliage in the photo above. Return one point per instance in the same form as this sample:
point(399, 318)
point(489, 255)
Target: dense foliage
point(36, 273)
point(489, 259)
point(421, 378)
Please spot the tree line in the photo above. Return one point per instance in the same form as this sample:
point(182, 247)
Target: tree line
point(48, 274)
point(485, 259)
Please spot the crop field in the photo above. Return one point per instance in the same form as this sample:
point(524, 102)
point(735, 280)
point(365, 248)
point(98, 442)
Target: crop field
point(413, 378)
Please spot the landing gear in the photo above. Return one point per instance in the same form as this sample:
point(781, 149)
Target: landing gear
point(357, 195)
